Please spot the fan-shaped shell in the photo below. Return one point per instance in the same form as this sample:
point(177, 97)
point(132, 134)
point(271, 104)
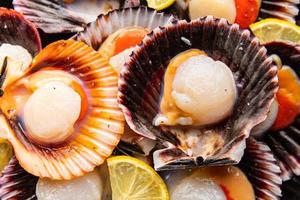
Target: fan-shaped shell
point(141, 78)
point(96, 137)
point(285, 145)
point(282, 9)
point(96, 32)
point(16, 183)
point(262, 170)
point(16, 30)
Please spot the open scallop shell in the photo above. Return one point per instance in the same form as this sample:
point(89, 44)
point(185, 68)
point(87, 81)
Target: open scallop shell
point(262, 170)
point(103, 126)
point(285, 145)
point(141, 78)
point(282, 9)
point(16, 183)
point(96, 32)
point(16, 30)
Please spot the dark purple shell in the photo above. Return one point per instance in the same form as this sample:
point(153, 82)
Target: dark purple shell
point(285, 145)
point(16, 30)
point(262, 170)
point(141, 79)
point(282, 9)
point(16, 183)
point(288, 52)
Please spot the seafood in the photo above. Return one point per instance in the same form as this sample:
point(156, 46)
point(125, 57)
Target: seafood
point(214, 183)
point(57, 16)
point(114, 36)
point(282, 136)
point(262, 170)
point(219, 143)
point(282, 9)
point(65, 82)
point(16, 183)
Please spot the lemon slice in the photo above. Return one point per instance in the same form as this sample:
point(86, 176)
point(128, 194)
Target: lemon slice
point(132, 179)
point(276, 30)
point(160, 4)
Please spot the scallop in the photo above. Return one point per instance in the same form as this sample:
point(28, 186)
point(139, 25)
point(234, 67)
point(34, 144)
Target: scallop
point(64, 15)
point(61, 115)
point(210, 183)
point(282, 9)
point(190, 136)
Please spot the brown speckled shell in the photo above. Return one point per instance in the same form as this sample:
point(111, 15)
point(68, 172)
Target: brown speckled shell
point(285, 145)
point(103, 125)
point(96, 32)
point(262, 170)
point(16, 183)
point(141, 79)
point(16, 30)
point(282, 9)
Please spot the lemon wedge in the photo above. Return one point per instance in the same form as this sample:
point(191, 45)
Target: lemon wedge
point(160, 4)
point(6, 152)
point(271, 29)
point(132, 179)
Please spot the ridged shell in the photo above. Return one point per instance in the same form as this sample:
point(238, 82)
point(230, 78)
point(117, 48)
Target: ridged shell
point(282, 9)
point(103, 126)
point(16, 183)
point(262, 170)
point(141, 79)
point(285, 145)
point(96, 32)
point(288, 52)
point(53, 16)
point(16, 30)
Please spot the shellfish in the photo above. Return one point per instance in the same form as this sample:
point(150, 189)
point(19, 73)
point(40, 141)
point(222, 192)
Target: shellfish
point(283, 135)
point(219, 143)
point(282, 9)
point(63, 15)
point(113, 35)
point(16, 183)
point(81, 95)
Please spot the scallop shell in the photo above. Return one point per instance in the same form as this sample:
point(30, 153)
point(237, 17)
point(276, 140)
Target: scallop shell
point(55, 16)
point(285, 144)
point(95, 33)
point(103, 126)
point(282, 9)
point(16, 183)
point(16, 30)
point(141, 78)
point(287, 51)
point(262, 170)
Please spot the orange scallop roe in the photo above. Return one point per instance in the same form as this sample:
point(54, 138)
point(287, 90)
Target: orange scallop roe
point(129, 38)
point(288, 98)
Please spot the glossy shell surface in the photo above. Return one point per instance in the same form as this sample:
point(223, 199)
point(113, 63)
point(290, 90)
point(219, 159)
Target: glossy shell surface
point(262, 170)
point(16, 30)
point(141, 79)
point(16, 183)
point(95, 139)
